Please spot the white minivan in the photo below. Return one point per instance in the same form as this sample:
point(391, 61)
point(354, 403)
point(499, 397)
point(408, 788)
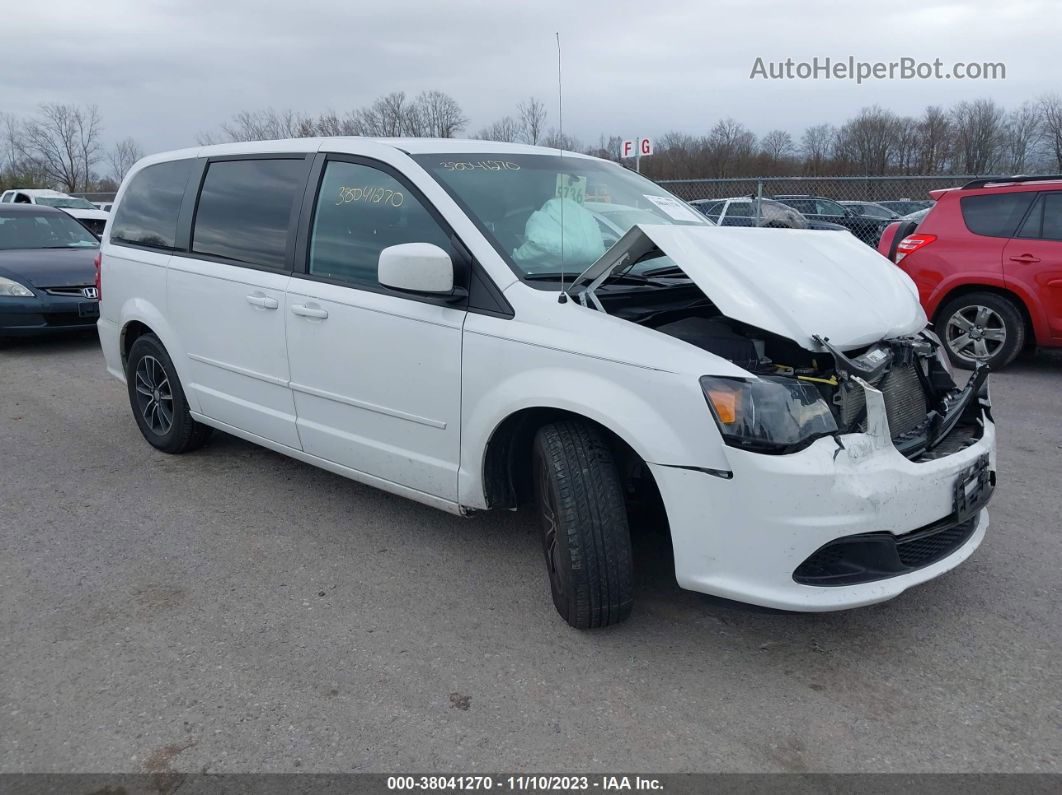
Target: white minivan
point(491, 326)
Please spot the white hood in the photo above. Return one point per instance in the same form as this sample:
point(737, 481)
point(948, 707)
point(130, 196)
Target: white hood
point(792, 282)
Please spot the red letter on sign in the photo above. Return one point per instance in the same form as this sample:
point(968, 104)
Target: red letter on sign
point(627, 146)
point(646, 146)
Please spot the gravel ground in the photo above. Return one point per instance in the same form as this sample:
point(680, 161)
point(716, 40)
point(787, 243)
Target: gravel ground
point(234, 610)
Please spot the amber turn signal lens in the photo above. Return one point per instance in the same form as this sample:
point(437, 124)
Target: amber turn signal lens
point(724, 401)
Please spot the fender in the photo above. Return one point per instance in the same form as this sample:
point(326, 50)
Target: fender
point(645, 413)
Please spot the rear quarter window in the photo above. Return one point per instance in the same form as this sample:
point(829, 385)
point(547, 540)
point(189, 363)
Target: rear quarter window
point(995, 214)
point(147, 214)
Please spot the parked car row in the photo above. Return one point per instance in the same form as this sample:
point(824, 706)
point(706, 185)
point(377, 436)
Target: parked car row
point(92, 216)
point(866, 220)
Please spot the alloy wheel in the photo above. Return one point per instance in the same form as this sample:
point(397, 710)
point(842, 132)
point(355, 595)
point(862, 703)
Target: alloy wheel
point(975, 333)
point(154, 397)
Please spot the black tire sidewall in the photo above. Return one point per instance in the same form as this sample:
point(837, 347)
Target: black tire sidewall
point(597, 584)
point(1012, 319)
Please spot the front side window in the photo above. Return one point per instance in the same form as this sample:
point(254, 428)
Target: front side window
point(244, 210)
point(43, 230)
point(360, 211)
point(147, 214)
point(995, 214)
point(548, 214)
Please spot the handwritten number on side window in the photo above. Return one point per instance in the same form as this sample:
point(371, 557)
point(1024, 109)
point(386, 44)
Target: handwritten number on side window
point(370, 195)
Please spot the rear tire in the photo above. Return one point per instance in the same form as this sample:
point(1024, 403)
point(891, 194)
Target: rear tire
point(585, 536)
point(981, 327)
point(157, 399)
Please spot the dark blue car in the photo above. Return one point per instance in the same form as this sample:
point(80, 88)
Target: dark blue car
point(47, 272)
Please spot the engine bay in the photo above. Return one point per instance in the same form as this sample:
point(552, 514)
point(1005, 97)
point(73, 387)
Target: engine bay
point(929, 415)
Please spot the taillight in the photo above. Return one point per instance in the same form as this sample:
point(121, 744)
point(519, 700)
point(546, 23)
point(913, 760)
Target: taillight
point(912, 243)
point(97, 264)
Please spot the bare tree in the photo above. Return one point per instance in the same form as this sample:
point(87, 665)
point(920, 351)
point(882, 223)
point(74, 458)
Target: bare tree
point(776, 146)
point(532, 120)
point(1051, 110)
point(555, 139)
point(122, 157)
point(815, 146)
point(934, 140)
point(868, 142)
point(979, 135)
point(506, 130)
point(438, 114)
point(1024, 131)
point(729, 143)
point(62, 142)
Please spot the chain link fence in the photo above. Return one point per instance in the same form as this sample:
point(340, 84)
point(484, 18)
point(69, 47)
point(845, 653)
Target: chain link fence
point(862, 189)
point(862, 205)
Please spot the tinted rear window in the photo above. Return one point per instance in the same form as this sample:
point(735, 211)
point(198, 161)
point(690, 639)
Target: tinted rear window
point(147, 215)
point(245, 209)
point(995, 214)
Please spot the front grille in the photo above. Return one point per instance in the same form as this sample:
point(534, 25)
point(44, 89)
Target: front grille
point(73, 291)
point(877, 556)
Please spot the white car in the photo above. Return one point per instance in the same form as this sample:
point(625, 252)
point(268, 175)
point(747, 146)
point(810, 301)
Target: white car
point(445, 320)
point(83, 210)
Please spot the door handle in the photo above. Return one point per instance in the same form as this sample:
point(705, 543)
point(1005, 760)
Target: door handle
point(262, 301)
point(1027, 258)
point(305, 310)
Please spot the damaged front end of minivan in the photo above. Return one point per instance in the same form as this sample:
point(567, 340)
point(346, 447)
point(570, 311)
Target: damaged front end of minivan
point(858, 465)
point(797, 315)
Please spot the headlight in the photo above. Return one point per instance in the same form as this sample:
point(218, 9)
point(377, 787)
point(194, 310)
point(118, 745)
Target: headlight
point(772, 414)
point(12, 289)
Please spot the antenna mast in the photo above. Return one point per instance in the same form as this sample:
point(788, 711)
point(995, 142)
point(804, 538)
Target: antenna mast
point(563, 297)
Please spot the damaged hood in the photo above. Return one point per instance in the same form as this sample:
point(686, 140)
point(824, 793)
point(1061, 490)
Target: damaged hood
point(791, 282)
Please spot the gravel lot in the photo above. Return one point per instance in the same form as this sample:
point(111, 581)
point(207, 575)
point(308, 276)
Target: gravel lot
point(234, 610)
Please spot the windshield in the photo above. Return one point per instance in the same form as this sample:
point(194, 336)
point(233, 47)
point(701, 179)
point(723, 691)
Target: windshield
point(43, 230)
point(548, 214)
point(69, 202)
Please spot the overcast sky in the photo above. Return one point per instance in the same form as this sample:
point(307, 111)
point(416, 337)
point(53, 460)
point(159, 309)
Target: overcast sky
point(163, 70)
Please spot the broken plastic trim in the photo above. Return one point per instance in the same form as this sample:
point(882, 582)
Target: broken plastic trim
point(725, 474)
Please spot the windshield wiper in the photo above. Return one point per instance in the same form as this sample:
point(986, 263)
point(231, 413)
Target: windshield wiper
point(667, 270)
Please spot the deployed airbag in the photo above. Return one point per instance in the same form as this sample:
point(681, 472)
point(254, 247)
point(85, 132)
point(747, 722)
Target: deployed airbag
point(562, 232)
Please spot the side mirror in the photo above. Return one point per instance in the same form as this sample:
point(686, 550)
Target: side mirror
point(416, 268)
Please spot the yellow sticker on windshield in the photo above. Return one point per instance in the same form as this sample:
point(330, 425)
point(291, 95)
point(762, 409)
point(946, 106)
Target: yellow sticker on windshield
point(569, 187)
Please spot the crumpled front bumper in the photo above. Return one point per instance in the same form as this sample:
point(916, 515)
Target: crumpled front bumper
point(744, 537)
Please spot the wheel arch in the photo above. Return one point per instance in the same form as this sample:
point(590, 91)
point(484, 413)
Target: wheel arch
point(507, 456)
point(140, 317)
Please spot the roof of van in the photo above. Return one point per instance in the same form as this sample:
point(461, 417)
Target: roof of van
point(414, 146)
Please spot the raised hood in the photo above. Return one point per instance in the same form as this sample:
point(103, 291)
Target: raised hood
point(792, 282)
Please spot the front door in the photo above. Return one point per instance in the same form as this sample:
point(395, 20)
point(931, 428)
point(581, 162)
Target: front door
point(376, 374)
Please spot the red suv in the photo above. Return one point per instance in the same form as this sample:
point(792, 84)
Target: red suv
point(987, 260)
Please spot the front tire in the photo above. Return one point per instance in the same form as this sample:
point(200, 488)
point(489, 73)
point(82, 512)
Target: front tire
point(585, 536)
point(981, 327)
point(157, 399)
